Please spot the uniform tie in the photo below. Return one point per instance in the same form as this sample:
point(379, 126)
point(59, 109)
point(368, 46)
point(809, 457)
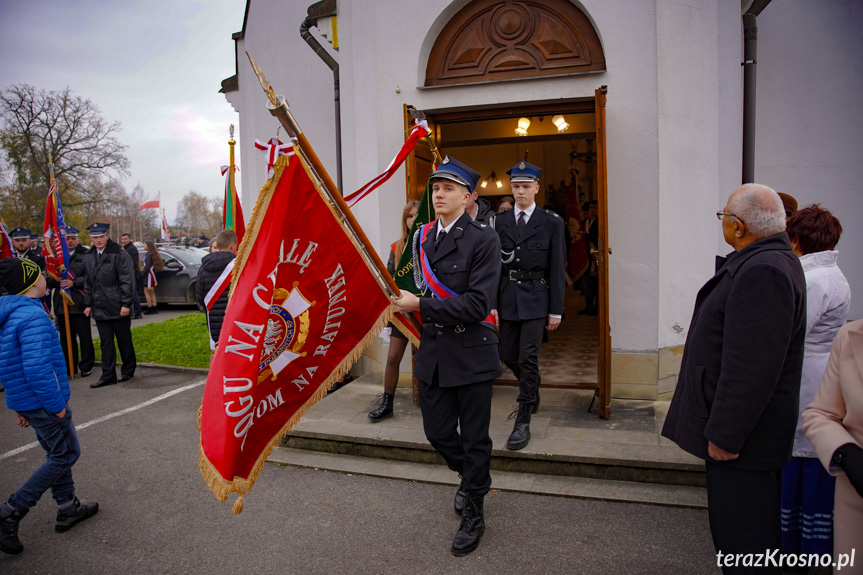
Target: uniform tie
point(520, 223)
point(440, 238)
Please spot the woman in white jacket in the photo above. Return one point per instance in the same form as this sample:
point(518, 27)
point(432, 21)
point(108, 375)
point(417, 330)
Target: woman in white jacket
point(807, 488)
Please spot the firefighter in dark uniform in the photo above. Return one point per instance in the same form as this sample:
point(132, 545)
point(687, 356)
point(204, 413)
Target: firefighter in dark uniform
point(458, 262)
point(21, 247)
point(530, 296)
point(79, 324)
point(109, 278)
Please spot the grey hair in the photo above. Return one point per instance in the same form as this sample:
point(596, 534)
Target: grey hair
point(760, 208)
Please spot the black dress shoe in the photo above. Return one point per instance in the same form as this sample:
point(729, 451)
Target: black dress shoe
point(85, 373)
point(101, 383)
point(472, 526)
point(125, 378)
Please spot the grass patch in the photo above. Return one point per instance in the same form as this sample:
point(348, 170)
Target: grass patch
point(180, 341)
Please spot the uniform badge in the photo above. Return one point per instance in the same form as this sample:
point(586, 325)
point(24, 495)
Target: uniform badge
point(445, 160)
point(522, 166)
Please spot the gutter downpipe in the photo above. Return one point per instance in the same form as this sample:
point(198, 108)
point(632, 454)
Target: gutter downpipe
point(750, 51)
point(308, 23)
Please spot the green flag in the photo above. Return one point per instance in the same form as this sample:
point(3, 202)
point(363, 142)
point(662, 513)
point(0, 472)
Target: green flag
point(404, 275)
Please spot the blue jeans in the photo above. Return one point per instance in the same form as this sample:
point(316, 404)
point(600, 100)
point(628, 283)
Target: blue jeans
point(58, 438)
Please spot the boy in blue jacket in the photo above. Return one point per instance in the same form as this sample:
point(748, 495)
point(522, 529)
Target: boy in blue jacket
point(32, 367)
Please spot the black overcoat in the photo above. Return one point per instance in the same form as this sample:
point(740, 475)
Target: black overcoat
point(540, 249)
point(76, 266)
point(109, 284)
point(454, 340)
point(739, 381)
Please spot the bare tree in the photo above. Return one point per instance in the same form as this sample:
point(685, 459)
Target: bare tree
point(196, 214)
point(83, 145)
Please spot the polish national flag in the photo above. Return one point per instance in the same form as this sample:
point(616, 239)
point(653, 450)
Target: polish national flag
point(150, 204)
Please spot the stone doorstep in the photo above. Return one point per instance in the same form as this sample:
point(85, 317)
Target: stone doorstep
point(552, 485)
point(330, 427)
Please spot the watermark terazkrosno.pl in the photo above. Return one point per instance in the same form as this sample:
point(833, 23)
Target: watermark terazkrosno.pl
point(775, 558)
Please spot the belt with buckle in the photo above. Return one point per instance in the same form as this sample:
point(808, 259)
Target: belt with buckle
point(458, 328)
point(515, 275)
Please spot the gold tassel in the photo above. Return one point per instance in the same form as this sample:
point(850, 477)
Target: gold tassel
point(238, 506)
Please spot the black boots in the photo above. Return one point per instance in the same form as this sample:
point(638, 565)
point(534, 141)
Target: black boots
point(459, 502)
point(384, 410)
point(9, 519)
point(472, 526)
point(78, 512)
point(520, 435)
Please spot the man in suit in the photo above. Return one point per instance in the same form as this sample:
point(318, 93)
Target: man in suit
point(79, 324)
point(530, 294)
point(110, 278)
point(735, 405)
point(590, 228)
point(458, 360)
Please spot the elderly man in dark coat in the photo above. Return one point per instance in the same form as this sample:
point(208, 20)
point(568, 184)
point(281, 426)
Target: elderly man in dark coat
point(108, 290)
point(735, 404)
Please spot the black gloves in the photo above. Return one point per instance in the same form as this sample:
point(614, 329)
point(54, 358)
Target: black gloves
point(850, 458)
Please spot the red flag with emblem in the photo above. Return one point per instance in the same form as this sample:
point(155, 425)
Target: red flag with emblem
point(303, 305)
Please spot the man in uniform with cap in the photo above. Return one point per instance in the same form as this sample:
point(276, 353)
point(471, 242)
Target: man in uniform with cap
point(34, 243)
point(109, 280)
point(458, 266)
point(20, 238)
point(79, 324)
point(532, 285)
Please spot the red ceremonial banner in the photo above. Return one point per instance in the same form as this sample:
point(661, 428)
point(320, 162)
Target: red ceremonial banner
point(303, 306)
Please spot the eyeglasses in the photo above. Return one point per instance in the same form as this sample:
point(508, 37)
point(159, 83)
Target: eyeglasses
point(720, 214)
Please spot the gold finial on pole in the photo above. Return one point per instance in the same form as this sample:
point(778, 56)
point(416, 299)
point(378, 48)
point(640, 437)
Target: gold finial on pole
point(50, 166)
point(265, 84)
point(231, 143)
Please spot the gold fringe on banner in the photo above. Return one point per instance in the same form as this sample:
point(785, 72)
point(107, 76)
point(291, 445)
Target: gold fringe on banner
point(221, 487)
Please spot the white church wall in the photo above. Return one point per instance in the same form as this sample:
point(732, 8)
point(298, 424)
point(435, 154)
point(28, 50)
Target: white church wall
point(808, 134)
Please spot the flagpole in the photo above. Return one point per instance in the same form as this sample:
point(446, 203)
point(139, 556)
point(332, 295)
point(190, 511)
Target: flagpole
point(65, 305)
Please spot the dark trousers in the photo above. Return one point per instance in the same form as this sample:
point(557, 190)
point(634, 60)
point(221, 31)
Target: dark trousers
point(743, 509)
point(591, 292)
point(79, 327)
point(520, 342)
point(121, 329)
point(136, 300)
point(58, 438)
point(467, 408)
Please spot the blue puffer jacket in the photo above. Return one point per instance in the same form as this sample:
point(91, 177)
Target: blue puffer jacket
point(32, 365)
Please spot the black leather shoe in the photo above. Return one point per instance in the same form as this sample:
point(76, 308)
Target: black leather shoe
point(67, 519)
point(86, 373)
point(472, 526)
point(535, 407)
point(125, 378)
point(101, 383)
point(520, 435)
point(384, 410)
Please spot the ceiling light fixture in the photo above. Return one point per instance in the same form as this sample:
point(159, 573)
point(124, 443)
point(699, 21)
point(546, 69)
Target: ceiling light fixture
point(523, 125)
point(561, 123)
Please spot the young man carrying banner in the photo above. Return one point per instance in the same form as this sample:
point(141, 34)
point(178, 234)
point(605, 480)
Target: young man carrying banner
point(457, 360)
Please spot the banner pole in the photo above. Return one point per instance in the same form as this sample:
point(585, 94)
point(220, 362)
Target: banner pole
point(65, 305)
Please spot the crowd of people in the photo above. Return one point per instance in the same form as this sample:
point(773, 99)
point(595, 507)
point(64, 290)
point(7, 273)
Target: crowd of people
point(768, 393)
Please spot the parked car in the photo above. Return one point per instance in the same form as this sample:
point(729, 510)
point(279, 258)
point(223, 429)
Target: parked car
point(176, 283)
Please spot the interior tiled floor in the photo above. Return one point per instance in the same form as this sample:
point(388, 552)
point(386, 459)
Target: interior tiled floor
point(571, 354)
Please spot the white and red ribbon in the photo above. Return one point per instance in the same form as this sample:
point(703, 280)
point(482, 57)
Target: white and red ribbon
point(420, 130)
point(216, 292)
point(274, 148)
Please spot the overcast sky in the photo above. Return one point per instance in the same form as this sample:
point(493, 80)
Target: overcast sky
point(155, 66)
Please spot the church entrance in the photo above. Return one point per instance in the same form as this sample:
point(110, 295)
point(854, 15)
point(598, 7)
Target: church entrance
point(565, 138)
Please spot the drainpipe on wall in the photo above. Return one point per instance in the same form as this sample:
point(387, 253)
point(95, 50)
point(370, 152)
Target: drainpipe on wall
point(750, 51)
point(326, 9)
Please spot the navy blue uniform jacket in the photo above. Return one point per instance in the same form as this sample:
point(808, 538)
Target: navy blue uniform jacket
point(454, 341)
point(739, 382)
point(540, 249)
